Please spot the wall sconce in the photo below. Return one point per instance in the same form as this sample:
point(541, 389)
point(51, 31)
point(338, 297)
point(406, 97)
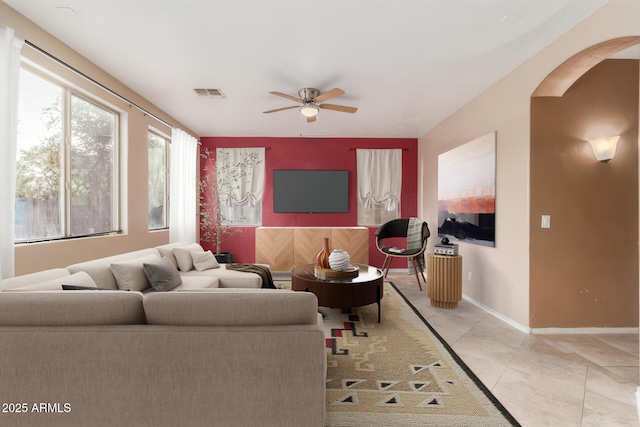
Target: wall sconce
point(604, 148)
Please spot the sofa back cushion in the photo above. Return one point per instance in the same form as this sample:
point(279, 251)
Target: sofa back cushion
point(183, 256)
point(167, 251)
point(66, 308)
point(33, 278)
point(130, 274)
point(100, 271)
point(212, 308)
point(76, 279)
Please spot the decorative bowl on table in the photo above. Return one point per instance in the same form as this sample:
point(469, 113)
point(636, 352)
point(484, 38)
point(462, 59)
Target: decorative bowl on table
point(339, 260)
point(328, 273)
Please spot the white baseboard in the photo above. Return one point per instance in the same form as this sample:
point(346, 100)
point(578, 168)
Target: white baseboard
point(500, 316)
point(553, 331)
point(518, 326)
point(587, 331)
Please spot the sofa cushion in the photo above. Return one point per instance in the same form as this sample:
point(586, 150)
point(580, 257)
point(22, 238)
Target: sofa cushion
point(63, 308)
point(162, 275)
point(79, 279)
point(130, 274)
point(33, 278)
point(99, 268)
point(183, 256)
point(167, 251)
point(267, 307)
point(198, 283)
point(204, 260)
point(228, 278)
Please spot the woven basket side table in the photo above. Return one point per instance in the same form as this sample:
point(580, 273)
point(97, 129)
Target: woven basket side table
point(444, 280)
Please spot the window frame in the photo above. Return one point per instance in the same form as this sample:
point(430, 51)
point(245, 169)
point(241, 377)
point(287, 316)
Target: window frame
point(68, 91)
point(377, 215)
point(167, 174)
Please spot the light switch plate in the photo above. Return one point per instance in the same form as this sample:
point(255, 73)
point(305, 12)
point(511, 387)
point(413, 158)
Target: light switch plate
point(546, 221)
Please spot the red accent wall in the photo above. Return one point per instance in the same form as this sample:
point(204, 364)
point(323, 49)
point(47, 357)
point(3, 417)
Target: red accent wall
point(318, 153)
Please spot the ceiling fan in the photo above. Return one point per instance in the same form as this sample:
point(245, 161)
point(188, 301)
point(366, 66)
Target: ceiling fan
point(312, 101)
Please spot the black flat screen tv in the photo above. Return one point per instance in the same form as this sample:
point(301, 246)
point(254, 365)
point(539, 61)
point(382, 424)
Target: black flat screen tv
point(311, 191)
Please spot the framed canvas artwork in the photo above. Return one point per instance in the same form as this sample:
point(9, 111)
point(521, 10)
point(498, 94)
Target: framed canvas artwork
point(467, 192)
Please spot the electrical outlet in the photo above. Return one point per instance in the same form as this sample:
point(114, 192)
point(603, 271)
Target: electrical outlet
point(469, 276)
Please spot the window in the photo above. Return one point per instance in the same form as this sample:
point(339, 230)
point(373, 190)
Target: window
point(379, 185)
point(158, 181)
point(231, 187)
point(240, 183)
point(66, 171)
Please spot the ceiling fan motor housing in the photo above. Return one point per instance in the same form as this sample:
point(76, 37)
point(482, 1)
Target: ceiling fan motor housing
point(308, 94)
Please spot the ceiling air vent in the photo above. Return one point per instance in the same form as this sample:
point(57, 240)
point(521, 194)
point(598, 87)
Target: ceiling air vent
point(210, 93)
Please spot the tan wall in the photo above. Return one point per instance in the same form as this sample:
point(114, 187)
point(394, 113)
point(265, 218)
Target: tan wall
point(584, 269)
point(500, 275)
point(135, 125)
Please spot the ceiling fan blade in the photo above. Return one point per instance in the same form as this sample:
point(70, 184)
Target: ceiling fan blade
point(341, 108)
point(281, 109)
point(311, 119)
point(284, 95)
point(333, 93)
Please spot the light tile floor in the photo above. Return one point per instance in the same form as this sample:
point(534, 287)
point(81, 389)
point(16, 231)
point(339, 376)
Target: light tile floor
point(542, 380)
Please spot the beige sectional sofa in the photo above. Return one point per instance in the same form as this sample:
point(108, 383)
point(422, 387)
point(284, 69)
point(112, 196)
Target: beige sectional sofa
point(104, 272)
point(202, 356)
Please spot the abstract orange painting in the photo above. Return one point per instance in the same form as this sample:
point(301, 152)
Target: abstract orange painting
point(467, 191)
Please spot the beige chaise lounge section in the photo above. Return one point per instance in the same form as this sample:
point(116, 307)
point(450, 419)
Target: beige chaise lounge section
point(162, 359)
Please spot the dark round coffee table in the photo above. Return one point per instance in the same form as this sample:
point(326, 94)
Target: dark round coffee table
point(358, 291)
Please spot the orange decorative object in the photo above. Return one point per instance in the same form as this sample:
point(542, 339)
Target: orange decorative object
point(323, 255)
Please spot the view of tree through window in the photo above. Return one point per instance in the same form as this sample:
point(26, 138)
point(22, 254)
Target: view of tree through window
point(158, 181)
point(64, 190)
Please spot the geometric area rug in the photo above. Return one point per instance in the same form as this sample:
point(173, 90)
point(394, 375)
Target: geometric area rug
point(399, 372)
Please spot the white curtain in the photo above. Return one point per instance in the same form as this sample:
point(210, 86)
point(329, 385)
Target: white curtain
point(10, 46)
point(241, 172)
point(183, 203)
point(379, 185)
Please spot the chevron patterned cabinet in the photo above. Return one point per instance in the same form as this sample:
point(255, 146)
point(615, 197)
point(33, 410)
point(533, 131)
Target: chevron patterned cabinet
point(284, 248)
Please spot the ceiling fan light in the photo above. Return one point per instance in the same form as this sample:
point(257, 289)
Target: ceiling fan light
point(309, 110)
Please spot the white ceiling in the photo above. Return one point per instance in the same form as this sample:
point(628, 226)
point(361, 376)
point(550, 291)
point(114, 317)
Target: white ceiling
point(406, 64)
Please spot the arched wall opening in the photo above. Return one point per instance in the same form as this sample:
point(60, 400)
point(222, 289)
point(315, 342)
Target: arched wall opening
point(584, 268)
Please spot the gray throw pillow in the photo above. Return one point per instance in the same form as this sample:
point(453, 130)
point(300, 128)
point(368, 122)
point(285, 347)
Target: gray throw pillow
point(162, 275)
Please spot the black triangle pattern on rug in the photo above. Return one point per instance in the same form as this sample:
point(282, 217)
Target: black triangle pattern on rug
point(393, 400)
point(417, 368)
point(386, 385)
point(351, 383)
point(348, 400)
point(432, 402)
point(419, 385)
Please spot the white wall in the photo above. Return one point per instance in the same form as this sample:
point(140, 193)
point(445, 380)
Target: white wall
point(500, 275)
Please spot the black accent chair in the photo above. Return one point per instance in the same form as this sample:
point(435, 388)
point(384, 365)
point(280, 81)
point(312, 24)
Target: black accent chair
point(397, 228)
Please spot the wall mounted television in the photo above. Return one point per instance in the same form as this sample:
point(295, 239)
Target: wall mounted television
point(310, 191)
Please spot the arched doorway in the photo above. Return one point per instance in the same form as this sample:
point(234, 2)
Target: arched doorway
point(584, 269)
